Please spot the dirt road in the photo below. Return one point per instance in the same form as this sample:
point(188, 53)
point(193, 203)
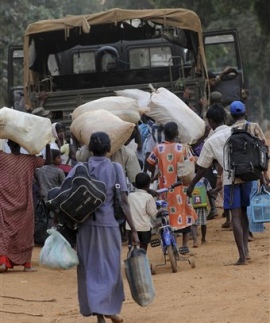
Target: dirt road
point(212, 292)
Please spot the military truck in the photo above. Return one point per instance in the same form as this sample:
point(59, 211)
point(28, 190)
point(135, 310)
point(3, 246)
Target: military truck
point(77, 59)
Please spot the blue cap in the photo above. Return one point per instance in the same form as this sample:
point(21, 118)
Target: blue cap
point(237, 107)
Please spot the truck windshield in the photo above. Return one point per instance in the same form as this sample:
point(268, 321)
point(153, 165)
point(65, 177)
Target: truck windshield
point(149, 57)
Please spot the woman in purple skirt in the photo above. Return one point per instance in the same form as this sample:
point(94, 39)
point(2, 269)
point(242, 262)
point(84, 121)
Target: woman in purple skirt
point(100, 284)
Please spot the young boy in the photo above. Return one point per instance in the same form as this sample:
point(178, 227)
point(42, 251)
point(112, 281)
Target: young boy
point(143, 207)
point(50, 176)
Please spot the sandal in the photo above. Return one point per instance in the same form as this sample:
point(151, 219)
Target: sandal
point(183, 250)
point(3, 268)
point(114, 318)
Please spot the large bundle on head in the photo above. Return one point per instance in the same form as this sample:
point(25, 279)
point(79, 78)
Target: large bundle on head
point(125, 108)
point(166, 106)
point(87, 123)
point(142, 97)
point(29, 131)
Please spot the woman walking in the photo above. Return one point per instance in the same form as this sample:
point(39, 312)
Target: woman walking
point(16, 207)
point(100, 284)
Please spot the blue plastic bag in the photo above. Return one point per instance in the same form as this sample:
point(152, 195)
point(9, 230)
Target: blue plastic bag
point(57, 252)
point(260, 206)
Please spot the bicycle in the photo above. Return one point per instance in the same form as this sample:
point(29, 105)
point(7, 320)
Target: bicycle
point(166, 236)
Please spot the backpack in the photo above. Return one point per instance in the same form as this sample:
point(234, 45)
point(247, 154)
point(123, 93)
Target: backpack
point(199, 195)
point(78, 197)
point(247, 155)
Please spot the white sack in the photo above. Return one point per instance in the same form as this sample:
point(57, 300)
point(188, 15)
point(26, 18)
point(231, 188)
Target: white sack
point(142, 97)
point(118, 130)
point(126, 109)
point(166, 106)
point(30, 131)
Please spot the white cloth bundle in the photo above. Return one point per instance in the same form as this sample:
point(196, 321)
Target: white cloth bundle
point(30, 131)
point(87, 123)
point(166, 106)
point(126, 109)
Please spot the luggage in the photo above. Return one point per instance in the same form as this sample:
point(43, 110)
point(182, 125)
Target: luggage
point(78, 197)
point(247, 155)
point(260, 206)
point(126, 109)
point(138, 273)
point(199, 196)
point(186, 168)
point(142, 97)
point(165, 106)
point(57, 253)
point(87, 123)
point(30, 131)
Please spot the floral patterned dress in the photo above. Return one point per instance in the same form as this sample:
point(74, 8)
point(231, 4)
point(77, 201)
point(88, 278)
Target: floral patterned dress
point(166, 156)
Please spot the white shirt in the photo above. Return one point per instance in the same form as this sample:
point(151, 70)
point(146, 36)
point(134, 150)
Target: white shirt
point(213, 149)
point(142, 207)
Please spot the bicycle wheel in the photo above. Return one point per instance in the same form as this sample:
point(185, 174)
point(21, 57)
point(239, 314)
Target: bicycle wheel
point(172, 259)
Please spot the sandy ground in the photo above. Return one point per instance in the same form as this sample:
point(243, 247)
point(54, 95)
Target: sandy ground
point(211, 292)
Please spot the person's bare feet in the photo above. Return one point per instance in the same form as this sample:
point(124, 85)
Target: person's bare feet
point(115, 318)
point(240, 262)
point(100, 319)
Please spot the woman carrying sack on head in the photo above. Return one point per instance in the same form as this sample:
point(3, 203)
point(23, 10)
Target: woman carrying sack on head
point(166, 156)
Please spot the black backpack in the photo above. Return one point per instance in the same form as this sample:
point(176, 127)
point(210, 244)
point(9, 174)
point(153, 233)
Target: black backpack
point(247, 155)
point(78, 197)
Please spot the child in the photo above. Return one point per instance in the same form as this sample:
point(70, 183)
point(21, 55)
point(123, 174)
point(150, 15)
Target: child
point(50, 176)
point(143, 207)
point(201, 205)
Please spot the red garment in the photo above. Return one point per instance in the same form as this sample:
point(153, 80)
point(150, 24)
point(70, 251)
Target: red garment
point(65, 168)
point(9, 264)
point(16, 206)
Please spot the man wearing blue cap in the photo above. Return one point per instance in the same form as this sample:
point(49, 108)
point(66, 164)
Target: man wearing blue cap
point(237, 195)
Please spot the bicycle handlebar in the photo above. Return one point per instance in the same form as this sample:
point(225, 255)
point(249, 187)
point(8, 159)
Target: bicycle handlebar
point(166, 189)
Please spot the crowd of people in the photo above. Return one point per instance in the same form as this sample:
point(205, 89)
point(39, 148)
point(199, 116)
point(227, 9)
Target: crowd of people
point(154, 163)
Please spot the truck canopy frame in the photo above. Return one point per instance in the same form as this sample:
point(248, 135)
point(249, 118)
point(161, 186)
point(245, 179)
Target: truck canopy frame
point(51, 36)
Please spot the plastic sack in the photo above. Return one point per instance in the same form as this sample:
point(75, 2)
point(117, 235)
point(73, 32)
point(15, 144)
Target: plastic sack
point(126, 109)
point(57, 252)
point(186, 168)
point(138, 273)
point(87, 123)
point(142, 97)
point(260, 206)
point(165, 106)
point(30, 131)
